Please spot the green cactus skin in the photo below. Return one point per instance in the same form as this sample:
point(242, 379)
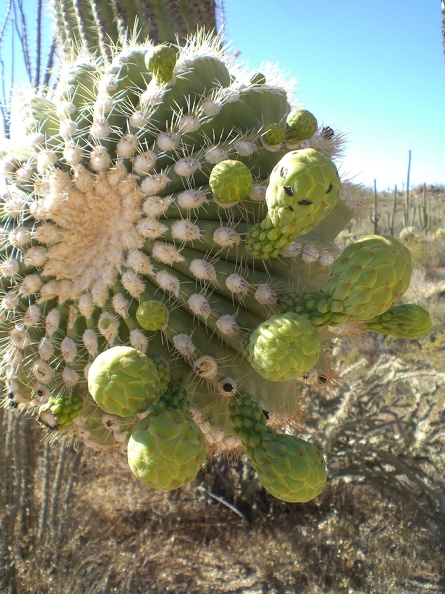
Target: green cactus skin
point(290, 468)
point(109, 207)
point(167, 448)
point(60, 411)
point(407, 321)
point(123, 381)
point(230, 181)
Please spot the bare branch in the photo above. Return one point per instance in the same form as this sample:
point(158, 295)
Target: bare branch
point(5, 20)
point(38, 43)
point(22, 33)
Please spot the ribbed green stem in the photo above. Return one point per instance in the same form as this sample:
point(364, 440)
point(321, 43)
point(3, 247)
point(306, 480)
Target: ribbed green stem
point(222, 306)
point(98, 24)
point(202, 338)
point(211, 211)
point(85, 24)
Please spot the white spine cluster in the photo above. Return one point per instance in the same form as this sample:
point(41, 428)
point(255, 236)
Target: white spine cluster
point(205, 367)
point(185, 230)
point(237, 284)
point(155, 206)
point(154, 184)
point(32, 315)
point(168, 141)
point(168, 282)
point(226, 237)
point(90, 341)
point(203, 270)
point(184, 345)
point(265, 295)
point(10, 268)
point(144, 162)
point(227, 325)
point(132, 283)
point(199, 305)
point(166, 253)
point(215, 154)
point(187, 166)
point(120, 305)
point(191, 199)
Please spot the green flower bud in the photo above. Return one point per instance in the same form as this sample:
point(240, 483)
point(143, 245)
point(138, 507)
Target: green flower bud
point(290, 468)
point(161, 62)
point(314, 306)
point(273, 135)
point(166, 450)
point(258, 79)
point(230, 181)
point(303, 189)
point(369, 277)
point(301, 125)
point(175, 397)
point(60, 410)
point(407, 321)
point(123, 381)
point(284, 347)
point(163, 369)
point(152, 315)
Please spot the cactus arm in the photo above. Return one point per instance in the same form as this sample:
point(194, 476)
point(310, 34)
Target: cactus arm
point(86, 24)
point(166, 18)
point(97, 25)
point(62, 23)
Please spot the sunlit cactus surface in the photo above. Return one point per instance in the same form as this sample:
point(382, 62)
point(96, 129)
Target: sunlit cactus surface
point(169, 274)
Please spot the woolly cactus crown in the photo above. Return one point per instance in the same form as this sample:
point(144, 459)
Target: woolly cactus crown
point(170, 221)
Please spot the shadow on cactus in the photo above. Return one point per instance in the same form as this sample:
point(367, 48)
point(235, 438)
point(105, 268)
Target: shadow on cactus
point(169, 272)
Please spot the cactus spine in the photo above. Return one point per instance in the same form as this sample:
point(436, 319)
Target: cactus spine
point(163, 226)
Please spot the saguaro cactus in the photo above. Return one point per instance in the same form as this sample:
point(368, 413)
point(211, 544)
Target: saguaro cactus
point(168, 256)
point(95, 25)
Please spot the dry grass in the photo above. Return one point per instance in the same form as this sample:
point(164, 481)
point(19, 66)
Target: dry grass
point(124, 538)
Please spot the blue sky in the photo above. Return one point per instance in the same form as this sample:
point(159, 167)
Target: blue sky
point(372, 68)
